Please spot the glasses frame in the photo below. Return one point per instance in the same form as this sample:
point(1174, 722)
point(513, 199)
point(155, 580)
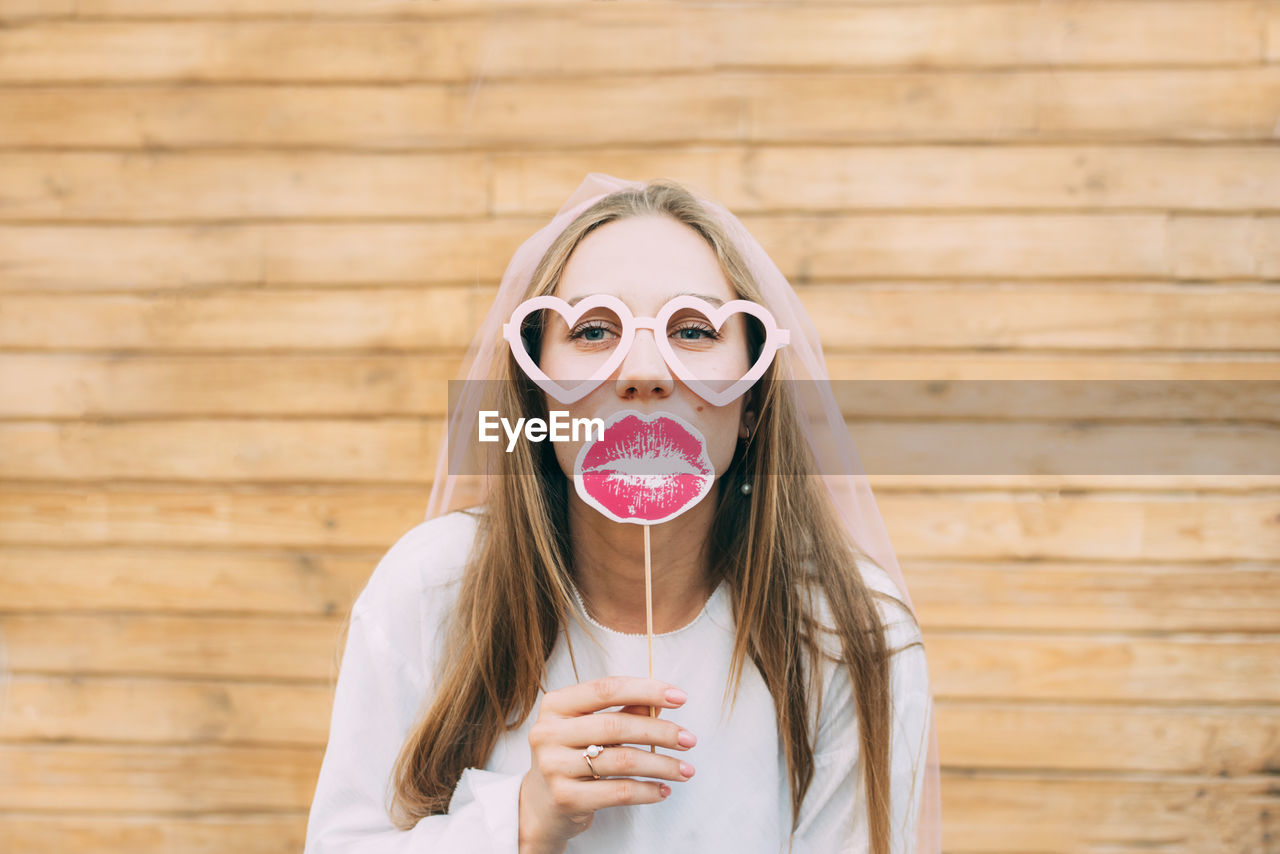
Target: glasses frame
point(775, 338)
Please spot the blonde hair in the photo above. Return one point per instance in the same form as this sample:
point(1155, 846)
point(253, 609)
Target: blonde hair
point(772, 548)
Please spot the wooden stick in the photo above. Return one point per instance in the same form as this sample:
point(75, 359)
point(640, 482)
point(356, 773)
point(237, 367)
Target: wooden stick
point(648, 609)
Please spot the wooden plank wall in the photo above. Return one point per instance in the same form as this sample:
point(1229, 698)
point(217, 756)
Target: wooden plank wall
point(243, 243)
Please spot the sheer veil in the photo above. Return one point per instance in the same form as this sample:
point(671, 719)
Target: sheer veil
point(833, 449)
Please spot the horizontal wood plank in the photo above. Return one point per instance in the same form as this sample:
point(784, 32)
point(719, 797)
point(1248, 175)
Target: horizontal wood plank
point(1010, 666)
point(976, 525)
point(945, 251)
point(848, 318)
point(1033, 595)
point(61, 579)
point(62, 386)
point(1182, 816)
point(1015, 365)
point(1082, 738)
point(1015, 814)
point(1055, 487)
point(663, 37)
point(765, 178)
point(405, 450)
point(134, 187)
point(298, 649)
point(335, 516)
point(218, 186)
point(975, 734)
point(421, 319)
point(252, 9)
point(1169, 815)
point(1106, 527)
point(400, 450)
point(1142, 105)
point(89, 386)
point(107, 833)
point(161, 778)
point(176, 260)
point(1104, 597)
point(77, 708)
point(1101, 668)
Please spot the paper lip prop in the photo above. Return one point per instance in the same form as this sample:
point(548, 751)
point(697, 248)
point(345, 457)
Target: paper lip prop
point(647, 469)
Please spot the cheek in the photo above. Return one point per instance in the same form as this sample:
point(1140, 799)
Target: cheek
point(719, 424)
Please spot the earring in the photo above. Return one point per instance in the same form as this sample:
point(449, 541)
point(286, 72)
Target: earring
point(747, 427)
point(746, 487)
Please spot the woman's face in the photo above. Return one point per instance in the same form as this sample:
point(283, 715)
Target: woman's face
point(645, 261)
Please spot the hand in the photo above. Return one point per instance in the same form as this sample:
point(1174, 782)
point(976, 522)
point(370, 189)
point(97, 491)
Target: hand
point(559, 797)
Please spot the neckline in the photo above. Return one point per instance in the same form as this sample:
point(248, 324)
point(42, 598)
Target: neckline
point(706, 606)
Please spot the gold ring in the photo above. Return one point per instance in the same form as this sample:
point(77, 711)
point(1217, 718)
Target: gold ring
point(593, 750)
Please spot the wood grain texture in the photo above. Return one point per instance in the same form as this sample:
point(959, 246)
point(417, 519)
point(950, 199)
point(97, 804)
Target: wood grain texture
point(1169, 814)
point(978, 733)
point(62, 386)
point(633, 38)
point(1039, 666)
point(244, 244)
point(239, 581)
point(1117, 525)
point(1043, 594)
point(50, 708)
point(163, 778)
point(257, 832)
point(748, 107)
point(1099, 318)
point(162, 185)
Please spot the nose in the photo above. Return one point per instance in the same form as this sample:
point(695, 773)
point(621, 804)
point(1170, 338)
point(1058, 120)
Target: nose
point(644, 373)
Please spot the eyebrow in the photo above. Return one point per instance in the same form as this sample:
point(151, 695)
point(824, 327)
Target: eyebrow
point(715, 301)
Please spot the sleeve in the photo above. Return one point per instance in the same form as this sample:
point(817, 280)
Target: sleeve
point(834, 815)
point(375, 703)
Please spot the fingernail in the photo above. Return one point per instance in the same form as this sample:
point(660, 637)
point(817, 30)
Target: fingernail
point(686, 738)
point(675, 695)
point(686, 769)
point(664, 790)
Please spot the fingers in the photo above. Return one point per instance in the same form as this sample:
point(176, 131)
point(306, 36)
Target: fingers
point(587, 697)
point(597, 794)
point(572, 718)
point(616, 761)
point(617, 728)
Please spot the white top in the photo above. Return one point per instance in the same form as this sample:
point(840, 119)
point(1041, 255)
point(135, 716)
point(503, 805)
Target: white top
point(738, 801)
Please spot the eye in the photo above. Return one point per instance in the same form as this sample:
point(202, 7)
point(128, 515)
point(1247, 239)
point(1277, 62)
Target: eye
point(591, 331)
point(695, 331)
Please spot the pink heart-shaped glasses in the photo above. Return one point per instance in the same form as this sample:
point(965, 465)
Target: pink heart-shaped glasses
point(774, 339)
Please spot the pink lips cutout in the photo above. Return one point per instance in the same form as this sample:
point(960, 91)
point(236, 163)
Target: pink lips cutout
point(647, 469)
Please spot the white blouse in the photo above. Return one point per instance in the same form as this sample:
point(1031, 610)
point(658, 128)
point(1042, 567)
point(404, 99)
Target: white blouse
point(738, 800)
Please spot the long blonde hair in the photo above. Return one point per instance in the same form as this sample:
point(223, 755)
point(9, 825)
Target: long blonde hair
point(515, 598)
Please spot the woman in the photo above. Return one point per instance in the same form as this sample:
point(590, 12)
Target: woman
point(491, 696)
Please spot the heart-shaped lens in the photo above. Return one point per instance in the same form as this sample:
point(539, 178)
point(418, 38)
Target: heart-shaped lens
point(566, 349)
point(716, 355)
point(574, 351)
point(719, 351)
